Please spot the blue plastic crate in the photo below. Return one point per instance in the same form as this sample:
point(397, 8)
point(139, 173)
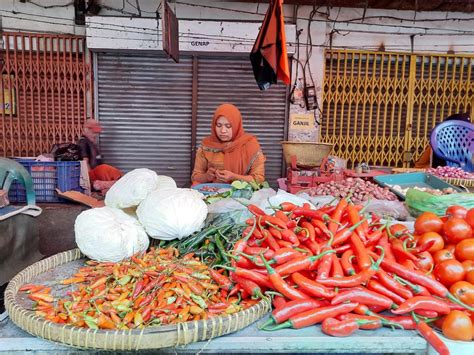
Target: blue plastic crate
point(47, 177)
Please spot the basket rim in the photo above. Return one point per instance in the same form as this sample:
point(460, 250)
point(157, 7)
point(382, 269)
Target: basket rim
point(307, 143)
point(23, 317)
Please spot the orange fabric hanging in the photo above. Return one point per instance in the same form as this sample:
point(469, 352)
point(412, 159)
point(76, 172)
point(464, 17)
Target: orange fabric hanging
point(241, 150)
point(269, 57)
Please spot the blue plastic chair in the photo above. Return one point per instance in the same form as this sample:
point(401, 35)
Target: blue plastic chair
point(453, 141)
point(11, 170)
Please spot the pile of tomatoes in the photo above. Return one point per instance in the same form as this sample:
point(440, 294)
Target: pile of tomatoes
point(450, 259)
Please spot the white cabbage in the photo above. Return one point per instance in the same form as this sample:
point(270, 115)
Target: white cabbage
point(172, 213)
point(134, 186)
point(109, 234)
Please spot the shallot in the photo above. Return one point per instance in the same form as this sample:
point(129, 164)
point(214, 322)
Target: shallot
point(450, 172)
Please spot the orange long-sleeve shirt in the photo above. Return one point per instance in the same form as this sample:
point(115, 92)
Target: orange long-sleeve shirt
point(206, 159)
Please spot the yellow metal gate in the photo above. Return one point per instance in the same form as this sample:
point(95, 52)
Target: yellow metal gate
point(380, 107)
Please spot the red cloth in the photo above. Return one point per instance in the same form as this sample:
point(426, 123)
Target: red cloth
point(269, 57)
point(104, 172)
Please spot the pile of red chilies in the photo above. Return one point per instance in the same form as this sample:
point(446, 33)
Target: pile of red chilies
point(336, 267)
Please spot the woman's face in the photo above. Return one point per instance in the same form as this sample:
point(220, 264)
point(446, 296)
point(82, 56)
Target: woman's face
point(223, 129)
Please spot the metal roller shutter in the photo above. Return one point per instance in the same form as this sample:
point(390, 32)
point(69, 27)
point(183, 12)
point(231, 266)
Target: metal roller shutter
point(144, 105)
point(230, 79)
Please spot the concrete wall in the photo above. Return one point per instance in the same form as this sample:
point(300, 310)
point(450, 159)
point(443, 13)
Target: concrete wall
point(337, 27)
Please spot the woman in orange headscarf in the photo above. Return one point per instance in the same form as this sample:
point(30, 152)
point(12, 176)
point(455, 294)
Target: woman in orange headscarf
point(229, 153)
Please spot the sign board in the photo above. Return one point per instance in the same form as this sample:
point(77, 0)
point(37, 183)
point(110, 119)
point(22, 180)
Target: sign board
point(170, 32)
point(302, 121)
point(7, 98)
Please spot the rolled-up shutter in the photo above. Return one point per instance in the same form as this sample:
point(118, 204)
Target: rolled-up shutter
point(144, 105)
point(230, 79)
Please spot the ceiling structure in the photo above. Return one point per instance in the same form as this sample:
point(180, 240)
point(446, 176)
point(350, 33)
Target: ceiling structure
point(417, 5)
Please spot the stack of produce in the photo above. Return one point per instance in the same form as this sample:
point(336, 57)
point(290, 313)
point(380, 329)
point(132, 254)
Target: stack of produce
point(450, 172)
point(156, 288)
point(336, 267)
point(357, 189)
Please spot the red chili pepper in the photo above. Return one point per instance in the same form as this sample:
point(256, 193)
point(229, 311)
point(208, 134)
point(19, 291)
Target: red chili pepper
point(314, 316)
point(322, 227)
point(313, 246)
point(336, 215)
point(336, 267)
point(250, 287)
point(345, 234)
point(282, 216)
point(432, 285)
point(346, 262)
point(290, 236)
point(324, 267)
point(363, 296)
point(400, 253)
point(377, 287)
point(421, 248)
point(269, 240)
point(287, 206)
point(260, 279)
point(274, 232)
point(300, 263)
point(310, 213)
point(285, 312)
point(273, 222)
point(431, 337)
point(138, 289)
point(256, 211)
point(268, 254)
point(291, 224)
point(423, 303)
point(281, 286)
point(343, 248)
point(311, 287)
point(426, 313)
point(278, 301)
point(406, 322)
point(372, 322)
point(284, 255)
point(354, 218)
point(223, 281)
point(340, 328)
point(360, 252)
point(393, 285)
point(375, 236)
point(354, 280)
point(310, 228)
point(387, 247)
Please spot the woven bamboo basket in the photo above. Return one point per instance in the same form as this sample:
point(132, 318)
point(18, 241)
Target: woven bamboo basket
point(117, 340)
point(460, 182)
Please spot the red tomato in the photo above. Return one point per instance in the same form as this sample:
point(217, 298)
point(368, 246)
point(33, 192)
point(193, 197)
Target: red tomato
point(457, 326)
point(470, 217)
point(456, 211)
point(442, 255)
point(468, 265)
point(449, 272)
point(428, 222)
point(464, 291)
point(427, 237)
point(465, 249)
point(470, 277)
point(425, 261)
point(456, 229)
point(450, 247)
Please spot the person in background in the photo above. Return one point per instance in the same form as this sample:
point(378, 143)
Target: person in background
point(102, 176)
point(229, 153)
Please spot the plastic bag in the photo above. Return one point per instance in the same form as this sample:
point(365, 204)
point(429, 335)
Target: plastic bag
point(388, 209)
point(281, 196)
point(66, 152)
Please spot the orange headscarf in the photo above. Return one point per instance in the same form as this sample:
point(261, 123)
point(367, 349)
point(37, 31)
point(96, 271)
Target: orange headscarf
point(242, 149)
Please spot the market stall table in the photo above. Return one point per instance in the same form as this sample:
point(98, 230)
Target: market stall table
point(252, 340)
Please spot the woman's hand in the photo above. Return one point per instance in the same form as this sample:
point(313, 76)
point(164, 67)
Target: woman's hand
point(211, 174)
point(225, 175)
